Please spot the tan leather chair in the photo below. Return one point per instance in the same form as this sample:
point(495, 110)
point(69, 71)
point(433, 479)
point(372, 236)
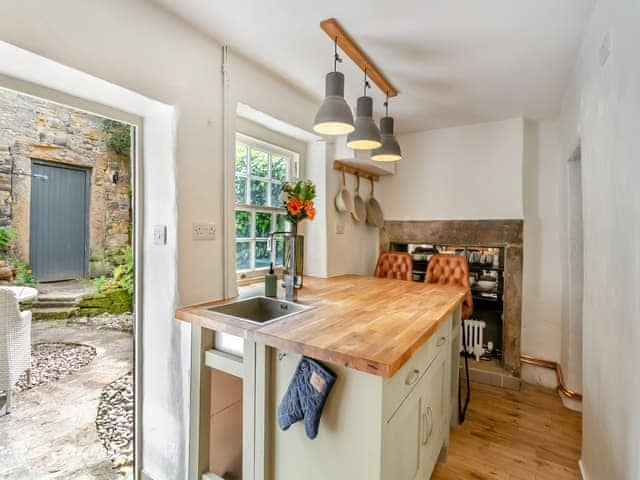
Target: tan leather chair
point(451, 270)
point(397, 265)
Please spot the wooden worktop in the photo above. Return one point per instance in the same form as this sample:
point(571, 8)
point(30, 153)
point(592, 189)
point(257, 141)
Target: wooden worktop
point(369, 324)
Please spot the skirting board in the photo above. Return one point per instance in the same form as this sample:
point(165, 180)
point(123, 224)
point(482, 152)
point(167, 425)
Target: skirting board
point(582, 474)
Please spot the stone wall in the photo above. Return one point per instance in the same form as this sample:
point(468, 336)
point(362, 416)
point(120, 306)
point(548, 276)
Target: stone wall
point(35, 129)
point(504, 233)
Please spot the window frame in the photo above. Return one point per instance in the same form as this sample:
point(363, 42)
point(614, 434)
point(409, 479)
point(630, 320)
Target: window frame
point(293, 172)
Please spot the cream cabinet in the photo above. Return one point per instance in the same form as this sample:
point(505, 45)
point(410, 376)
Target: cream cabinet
point(412, 438)
point(372, 427)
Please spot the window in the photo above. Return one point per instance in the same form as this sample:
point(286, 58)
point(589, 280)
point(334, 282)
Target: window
point(261, 168)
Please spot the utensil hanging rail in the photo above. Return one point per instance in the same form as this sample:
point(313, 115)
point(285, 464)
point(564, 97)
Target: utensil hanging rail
point(363, 171)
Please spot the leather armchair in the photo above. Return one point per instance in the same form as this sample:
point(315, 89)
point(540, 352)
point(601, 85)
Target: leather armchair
point(451, 270)
point(396, 265)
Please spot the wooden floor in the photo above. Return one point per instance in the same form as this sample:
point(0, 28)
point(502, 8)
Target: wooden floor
point(509, 435)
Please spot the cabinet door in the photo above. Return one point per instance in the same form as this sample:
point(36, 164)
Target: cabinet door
point(434, 414)
point(401, 441)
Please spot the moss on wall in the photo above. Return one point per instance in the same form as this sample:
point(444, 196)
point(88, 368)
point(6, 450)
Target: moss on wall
point(115, 300)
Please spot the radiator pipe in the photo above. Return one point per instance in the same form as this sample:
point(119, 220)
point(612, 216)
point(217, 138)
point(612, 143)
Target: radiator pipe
point(562, 387)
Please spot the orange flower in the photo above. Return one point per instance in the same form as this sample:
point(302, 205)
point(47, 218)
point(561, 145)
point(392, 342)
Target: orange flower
point(294, 206)
point(309, 209)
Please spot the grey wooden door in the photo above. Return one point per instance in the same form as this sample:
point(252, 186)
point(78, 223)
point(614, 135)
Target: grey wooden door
point(59, 222)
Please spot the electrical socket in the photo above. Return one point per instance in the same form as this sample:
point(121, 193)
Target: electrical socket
point(204, 231)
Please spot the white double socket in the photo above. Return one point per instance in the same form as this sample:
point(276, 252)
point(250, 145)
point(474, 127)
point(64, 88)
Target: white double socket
point(203, 231)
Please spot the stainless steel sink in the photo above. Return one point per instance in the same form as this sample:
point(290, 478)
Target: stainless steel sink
point(257, 310)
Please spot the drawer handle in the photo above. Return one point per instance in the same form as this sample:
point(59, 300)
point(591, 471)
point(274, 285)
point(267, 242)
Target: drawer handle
point(430, 412)
point(425, 428)
point(441, 341)
point(412, 376)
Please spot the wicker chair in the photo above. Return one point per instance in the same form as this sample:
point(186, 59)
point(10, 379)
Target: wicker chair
point(15, 345)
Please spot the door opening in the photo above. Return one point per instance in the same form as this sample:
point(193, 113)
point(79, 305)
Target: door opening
point(572, 350)
point(68, 214)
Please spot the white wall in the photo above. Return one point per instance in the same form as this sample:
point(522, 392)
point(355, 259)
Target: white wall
point(545, 250)
point(459, 173)
point(356, 250)
point(602, 109)
point(134, 44)
point(507, 169)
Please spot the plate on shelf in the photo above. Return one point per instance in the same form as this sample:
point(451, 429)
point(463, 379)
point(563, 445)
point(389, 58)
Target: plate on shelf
point(484, 285)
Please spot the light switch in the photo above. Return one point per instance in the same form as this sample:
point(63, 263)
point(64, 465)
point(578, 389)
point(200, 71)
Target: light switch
point(339, 227)
point(204, 231)
point(159, 235)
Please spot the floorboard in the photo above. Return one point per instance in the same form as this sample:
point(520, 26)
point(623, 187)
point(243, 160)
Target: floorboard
point(514, 435)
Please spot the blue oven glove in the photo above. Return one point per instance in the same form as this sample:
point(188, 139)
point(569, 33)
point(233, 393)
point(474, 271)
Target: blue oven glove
point(306, 395)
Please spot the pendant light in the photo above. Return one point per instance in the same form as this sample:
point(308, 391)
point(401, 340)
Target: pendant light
point(334, 116)
point(366, 136)
point(390, 149)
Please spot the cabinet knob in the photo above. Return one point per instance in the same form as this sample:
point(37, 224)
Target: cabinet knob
point(441, 341)
point(412, 376)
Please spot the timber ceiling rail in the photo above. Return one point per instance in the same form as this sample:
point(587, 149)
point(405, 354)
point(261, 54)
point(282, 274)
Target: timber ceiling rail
point(332, 27)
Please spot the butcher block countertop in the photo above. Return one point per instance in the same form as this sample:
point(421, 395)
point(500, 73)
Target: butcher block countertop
point(370, 324)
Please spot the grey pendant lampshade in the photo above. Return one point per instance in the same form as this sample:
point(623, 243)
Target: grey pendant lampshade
point(390, 149)
point(334, 116)
point(366, 136)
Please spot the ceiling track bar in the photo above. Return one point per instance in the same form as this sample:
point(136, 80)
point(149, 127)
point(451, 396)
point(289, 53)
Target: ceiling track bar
point(334, 30)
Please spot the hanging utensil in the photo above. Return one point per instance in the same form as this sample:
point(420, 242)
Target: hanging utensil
point(344, 202)
point(359, 212)
point(375, 217)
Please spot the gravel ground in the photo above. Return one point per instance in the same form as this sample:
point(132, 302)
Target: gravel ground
point(115, 423)
point(122, 322)
point(52, 361)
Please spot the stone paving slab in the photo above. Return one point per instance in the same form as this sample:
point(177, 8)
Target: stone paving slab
point(52, 433)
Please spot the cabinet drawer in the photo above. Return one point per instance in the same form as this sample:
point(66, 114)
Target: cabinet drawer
point(397, 388)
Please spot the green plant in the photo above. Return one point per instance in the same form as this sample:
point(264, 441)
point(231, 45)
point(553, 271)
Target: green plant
point(7, 237)
point(99, 282)
point(122, 274)
point(24, 275)
point(119, 136)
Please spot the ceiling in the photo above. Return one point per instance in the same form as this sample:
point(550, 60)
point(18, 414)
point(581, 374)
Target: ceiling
point(454, 62)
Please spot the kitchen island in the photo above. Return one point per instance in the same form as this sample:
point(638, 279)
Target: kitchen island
point(391, 344)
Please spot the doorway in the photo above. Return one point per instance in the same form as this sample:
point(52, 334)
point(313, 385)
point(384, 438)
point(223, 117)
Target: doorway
point(70, 233)
point(573, 330)
point(59, 221)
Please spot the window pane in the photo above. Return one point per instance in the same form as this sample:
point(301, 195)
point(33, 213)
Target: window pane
point(241, 190)
point(263, 256)
point(281, 222)
point(241, 158)
point(279, 167)
point(280, 252)
point(259, 163)
point(243, 256)
point(275, 195)
point(258, 192)
point(263, 224)
point(243, 224)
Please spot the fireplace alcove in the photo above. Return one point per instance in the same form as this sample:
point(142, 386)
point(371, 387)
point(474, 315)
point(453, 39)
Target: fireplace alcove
point(506, 234)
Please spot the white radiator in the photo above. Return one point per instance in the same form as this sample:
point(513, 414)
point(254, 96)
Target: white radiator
point(474, 336)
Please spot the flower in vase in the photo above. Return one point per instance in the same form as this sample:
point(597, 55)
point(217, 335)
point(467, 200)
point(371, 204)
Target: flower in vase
point(294, 206)
point(309, 209)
